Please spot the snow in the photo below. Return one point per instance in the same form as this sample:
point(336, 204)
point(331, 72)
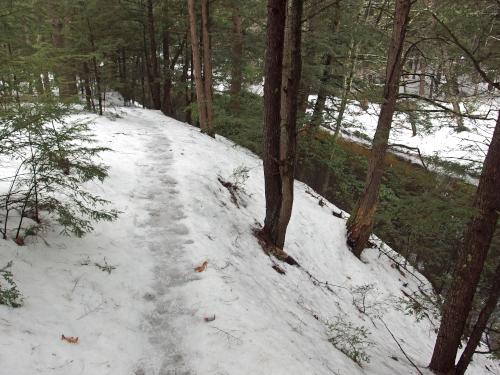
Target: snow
point(149, 315)
point(441, 139)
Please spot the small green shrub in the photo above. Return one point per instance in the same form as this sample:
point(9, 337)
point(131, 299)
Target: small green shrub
point(351, 340)
point(9, 294)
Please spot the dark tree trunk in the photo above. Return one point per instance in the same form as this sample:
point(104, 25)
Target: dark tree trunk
point(276, 15)
point(196, 64)
point(154, 71)
point(470, 262)
point(207, 66)
point(96, 68)
point(167, 74)
point(64, 71)
point(319, 106)
point(88, 92)
point(289, 96)
point(480, 326)
point(237, 59)
point(360, 223)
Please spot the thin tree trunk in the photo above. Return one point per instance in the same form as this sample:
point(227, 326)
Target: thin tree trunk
point(96, 68)
point(154, 84)
point(353, 57)
point(166, 106)
point(207, 67)
point(319, 106)
point(470, 262)
point(480, 326)
point(88, 91)
point(237, 59)
point(289, 96)
point(64, 71)
point(276, 15)
point(196, 64)
point(360, 223)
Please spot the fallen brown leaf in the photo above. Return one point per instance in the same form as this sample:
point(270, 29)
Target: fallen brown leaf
point(202, 267)
point(70, 339)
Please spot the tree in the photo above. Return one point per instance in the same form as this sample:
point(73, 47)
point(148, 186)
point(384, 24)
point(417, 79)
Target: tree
point(480, 325)
point(237, 57)
point(360, 223)
point(202, 83)
point(282, 77)
point(470, 263)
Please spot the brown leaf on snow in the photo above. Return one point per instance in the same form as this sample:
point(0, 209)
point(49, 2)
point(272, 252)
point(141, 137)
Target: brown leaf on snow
point(202, 267)
point(70, 339)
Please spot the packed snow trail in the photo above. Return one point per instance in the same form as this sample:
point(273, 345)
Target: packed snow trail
point(160, 227)
point(152, 314)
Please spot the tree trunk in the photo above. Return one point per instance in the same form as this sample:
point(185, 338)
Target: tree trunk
point(319, 106)
point(360, 223)
point(353, 57)
point(64, 71)
point(480, 326)
point(196, 64)
point(289, 95)
point(167, 72)
point(470, 262)
point(276, 15)
point(154, 71)
point(96, 68)
point(207, 67)
point(88, 92)
point(237, 59)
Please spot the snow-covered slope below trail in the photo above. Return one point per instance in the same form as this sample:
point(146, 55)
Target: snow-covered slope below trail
point(153, 314)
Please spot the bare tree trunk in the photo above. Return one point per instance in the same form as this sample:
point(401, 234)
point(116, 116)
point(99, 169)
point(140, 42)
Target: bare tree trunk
point(64, 71)
point(480, 326)
point(195, 48)
point(470, 262)
point(421, 83)
point(166, 106)
point(96, 68)
point(207, 67)
point(353, 57)
point(360, 223)
point(88, 91)
point(237, 59)
point(319, 106)
point(154, 70)
point(289, 95)
point(276, 15)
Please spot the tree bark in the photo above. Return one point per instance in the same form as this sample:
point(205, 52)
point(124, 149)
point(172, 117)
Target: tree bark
point(237, 59)
point(88, 92)
point(96, 68)
point(289, 96)
point(166, 106)
point(360, 223)
point(353, 57)
point(154, 71)
point(207, 67)
point(196, 64)
point(471, 259)
point(319, 106)
point(64, 71)
point(276, 15)
point(480, 326)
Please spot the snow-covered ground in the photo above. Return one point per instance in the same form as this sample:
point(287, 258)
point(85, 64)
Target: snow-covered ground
point(153, 314)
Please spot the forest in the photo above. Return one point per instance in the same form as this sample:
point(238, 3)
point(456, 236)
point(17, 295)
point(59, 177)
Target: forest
point(250, 187)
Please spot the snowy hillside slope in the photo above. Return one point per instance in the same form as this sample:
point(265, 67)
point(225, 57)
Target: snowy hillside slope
point(153, 314)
